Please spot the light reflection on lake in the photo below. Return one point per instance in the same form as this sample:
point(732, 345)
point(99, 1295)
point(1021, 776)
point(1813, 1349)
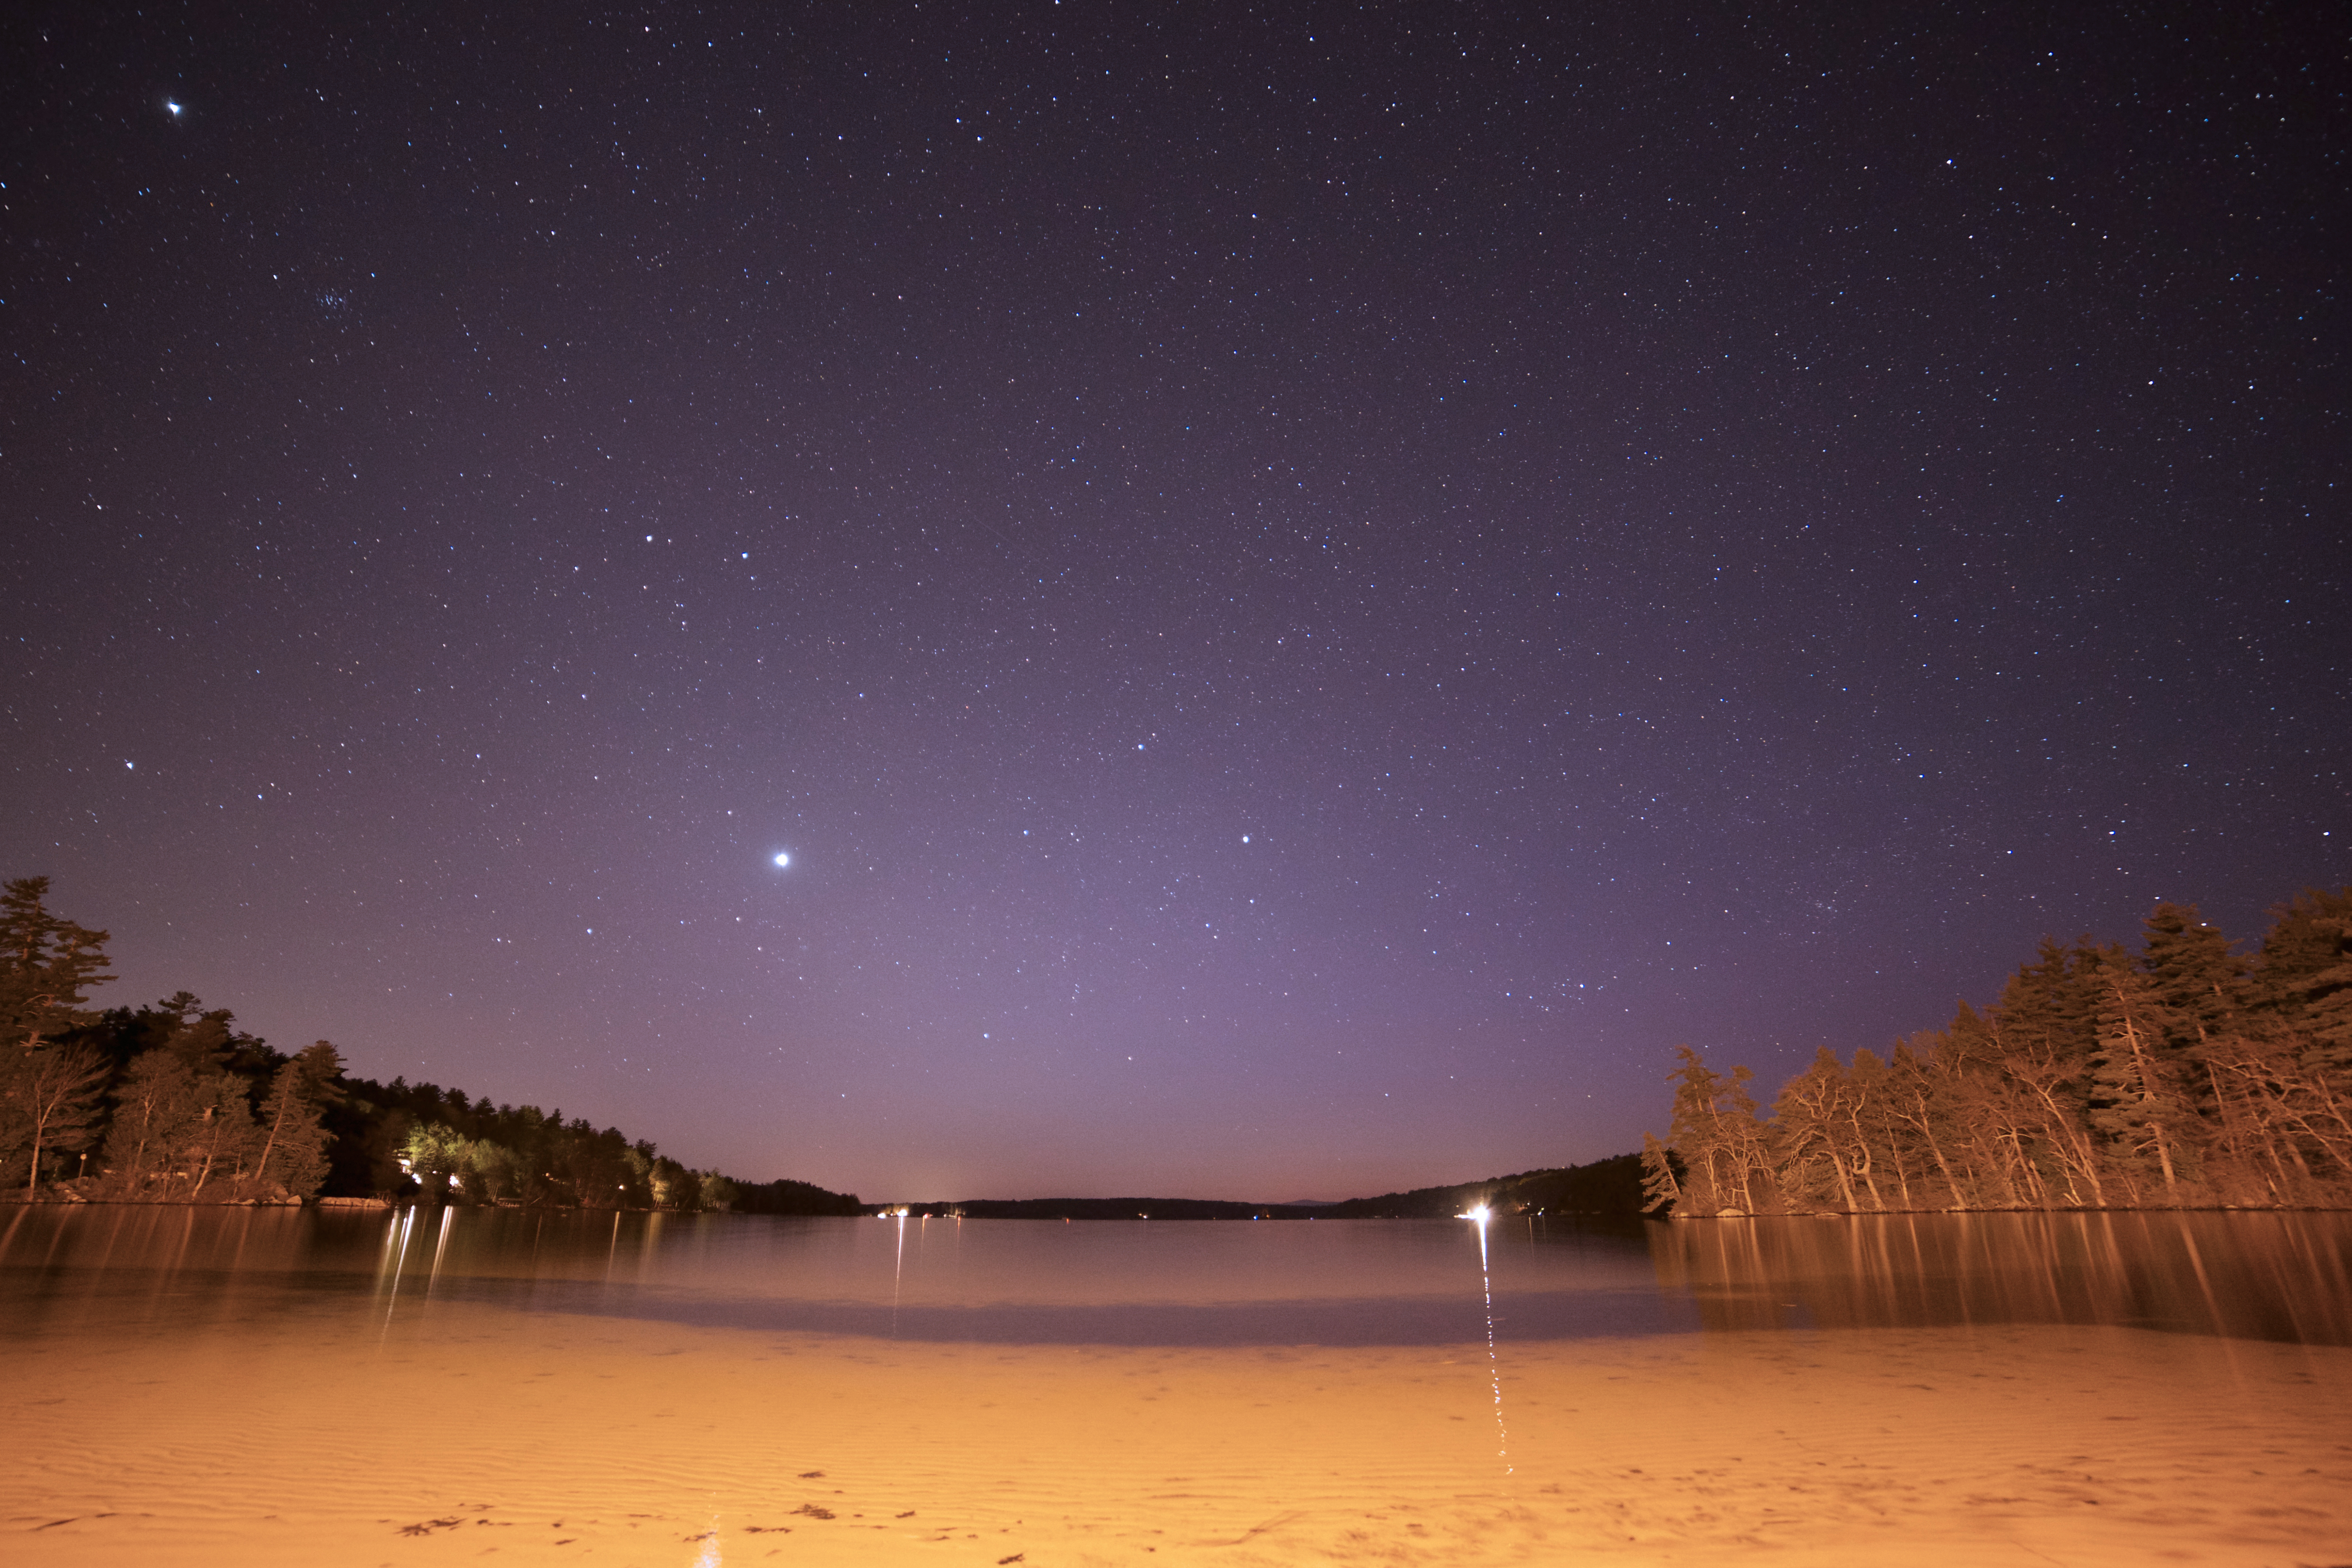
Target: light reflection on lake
point(279, 1389)
point(1005, 1281)
point(2256, 1275)
point(2285, 1276)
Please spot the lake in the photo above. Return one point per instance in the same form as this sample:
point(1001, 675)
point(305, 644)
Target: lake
point(197, 1385)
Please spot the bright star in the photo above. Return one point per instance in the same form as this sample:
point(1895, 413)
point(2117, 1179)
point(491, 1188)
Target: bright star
point(173, 108)
point(783, 859)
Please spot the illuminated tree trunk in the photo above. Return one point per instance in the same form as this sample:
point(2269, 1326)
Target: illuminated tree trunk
point(50, 1098)
point(1914, 1103)
point(1719, 1136)
point(1865, 1122)
point(1806, 1126)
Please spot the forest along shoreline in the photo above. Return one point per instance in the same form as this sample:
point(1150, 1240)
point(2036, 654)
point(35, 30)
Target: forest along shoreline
point(2188, 1074)
point(2185, 1076)
point(173, 1104)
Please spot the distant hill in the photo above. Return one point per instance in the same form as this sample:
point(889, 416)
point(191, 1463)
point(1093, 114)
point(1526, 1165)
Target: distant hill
point(1611, 1187)
point(1105, 1208)
point(794, 1198)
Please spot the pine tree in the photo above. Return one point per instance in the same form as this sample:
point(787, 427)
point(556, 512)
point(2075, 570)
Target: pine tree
point(2051, 1007)
point(1659, 1188)
point(294, 1142)
point(48, 965)
point(2142, 1100)
point(2307, 938)
point(2044, 1039)
point(2305, 975)
point(2198, 980)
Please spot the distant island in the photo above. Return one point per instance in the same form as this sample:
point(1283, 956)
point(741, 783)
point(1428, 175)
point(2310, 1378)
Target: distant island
point(1611, 1187)
point(2187, 1075)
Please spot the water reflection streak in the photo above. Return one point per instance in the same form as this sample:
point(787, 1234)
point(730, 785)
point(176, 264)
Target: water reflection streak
point(2236, 1275)
point(1494, 1363)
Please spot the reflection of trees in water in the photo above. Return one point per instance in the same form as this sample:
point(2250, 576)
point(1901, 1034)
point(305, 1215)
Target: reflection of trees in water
point(184, 1264)
point(2269, 1276)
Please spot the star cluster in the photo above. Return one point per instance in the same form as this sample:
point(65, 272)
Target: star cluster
point(1306, 589)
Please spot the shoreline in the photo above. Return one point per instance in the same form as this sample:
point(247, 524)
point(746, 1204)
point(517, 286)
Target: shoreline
point(373, 1204)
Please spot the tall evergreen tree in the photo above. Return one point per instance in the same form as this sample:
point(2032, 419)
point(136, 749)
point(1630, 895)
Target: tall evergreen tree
point(48, 966)
point(2051, 1006)
point(2199, 982)
point(2044, 1035)
point(294, 1137)
point(2142, 1099)
point(1660, 1190)
point(2305, 973)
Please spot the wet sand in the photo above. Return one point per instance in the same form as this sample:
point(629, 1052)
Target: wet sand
point(469, 1434)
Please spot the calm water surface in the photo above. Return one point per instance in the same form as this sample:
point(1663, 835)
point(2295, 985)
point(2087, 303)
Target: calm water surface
point(2281, 1277)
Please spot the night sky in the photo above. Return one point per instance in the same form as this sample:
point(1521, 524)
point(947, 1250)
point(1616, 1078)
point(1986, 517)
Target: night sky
point(1308, 589)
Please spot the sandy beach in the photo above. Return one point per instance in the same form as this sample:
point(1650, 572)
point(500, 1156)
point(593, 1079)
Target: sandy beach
point(468, 1434)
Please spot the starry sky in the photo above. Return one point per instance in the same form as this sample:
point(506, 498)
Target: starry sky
point(1307, 588)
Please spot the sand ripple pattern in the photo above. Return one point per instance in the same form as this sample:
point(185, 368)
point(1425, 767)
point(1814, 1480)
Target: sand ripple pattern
point(466, 1434)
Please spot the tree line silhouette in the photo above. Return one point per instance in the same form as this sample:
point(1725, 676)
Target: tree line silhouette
point(172, 1104)
point(2187, 1075)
